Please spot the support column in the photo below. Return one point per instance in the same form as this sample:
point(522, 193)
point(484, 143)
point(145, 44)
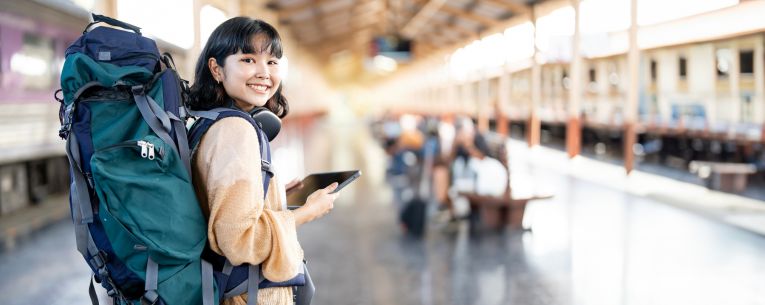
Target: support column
point(574, 128)
point(534, 125)
point(191, 60)
point(501, 101)
point(735, 83)
point(759, 84)
point(106, 8)
point(630, 112)
point(483, 104)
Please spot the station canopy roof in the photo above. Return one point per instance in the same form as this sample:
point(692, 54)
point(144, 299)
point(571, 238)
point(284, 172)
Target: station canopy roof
point(417, 27)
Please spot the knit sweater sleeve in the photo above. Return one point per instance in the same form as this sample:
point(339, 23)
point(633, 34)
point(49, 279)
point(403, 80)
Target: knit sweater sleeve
point(243, 226)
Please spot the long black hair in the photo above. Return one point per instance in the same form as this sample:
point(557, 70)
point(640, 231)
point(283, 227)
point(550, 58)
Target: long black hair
point(234, 35)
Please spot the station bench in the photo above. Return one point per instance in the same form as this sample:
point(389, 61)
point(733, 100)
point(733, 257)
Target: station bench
point(727, 177)
point(497, 212)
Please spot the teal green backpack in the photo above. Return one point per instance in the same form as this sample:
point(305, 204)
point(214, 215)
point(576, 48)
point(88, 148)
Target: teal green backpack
point(137, 219)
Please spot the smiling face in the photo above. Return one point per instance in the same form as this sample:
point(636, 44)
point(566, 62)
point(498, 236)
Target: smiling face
point(250, 79)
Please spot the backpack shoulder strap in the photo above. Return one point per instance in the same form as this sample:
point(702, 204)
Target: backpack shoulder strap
point(207, 118)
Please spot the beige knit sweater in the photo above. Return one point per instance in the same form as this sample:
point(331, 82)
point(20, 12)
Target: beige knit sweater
point(242, 226)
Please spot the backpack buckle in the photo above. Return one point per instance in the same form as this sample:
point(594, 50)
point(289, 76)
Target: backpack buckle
point(66, 124)
point(266, 166)
point(149, 298)
point(137, 90)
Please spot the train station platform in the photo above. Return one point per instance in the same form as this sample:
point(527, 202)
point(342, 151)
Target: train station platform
point(743, 212)
point(604, 238)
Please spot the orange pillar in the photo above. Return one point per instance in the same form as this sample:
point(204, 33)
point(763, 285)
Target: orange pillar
point(573, 127)
point(630, 138)
point(534, 129)
point(573, 136)
point(500, 102)
point(501, 119)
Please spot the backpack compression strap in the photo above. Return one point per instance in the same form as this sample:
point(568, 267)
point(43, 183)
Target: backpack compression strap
point(162, 123)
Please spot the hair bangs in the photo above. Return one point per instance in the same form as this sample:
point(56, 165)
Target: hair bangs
point(262, 38)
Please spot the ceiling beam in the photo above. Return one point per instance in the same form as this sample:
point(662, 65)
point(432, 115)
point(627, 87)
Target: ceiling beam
point(442, 32)
point(485, 21)
point(352, 45)
point(344, 34)
point(422, 17)
point(355, 12)
point(330, 30)
point(512, 6)
point(456, 27)
point(286, 11)
point(440, 37)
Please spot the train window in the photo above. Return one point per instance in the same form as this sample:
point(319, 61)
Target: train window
point(33, 62)
point(683, 67)
point(724, 58)
point(653, 70)
point(746, 61)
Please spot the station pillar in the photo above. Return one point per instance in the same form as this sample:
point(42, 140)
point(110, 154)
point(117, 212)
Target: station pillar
point(630, 111)
point(534, 125)
point(574, 128)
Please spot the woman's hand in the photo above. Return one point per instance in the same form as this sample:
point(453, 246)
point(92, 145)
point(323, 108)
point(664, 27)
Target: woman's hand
point(318, 204)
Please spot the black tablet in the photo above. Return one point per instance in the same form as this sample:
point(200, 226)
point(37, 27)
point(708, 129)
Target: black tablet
point(317, 181)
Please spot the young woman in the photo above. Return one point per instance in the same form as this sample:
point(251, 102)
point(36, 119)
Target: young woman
point(239, 68)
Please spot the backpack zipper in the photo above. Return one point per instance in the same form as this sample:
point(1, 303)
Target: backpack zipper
point(144, 148)
point(148, 150)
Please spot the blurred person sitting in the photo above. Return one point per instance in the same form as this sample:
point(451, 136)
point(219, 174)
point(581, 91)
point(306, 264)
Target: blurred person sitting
point(472, 170)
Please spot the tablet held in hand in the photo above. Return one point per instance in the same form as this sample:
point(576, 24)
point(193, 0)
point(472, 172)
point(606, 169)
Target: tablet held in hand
point(318, 181)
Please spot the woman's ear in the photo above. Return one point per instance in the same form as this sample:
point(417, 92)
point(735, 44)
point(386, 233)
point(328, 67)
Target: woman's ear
point(215, 69)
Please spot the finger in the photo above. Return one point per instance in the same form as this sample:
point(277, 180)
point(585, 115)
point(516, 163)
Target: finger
point(331, 187)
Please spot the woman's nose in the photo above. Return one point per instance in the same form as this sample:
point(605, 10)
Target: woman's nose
point(261, 71)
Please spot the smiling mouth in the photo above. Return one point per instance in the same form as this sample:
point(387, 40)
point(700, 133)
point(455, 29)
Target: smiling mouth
point(261, 88)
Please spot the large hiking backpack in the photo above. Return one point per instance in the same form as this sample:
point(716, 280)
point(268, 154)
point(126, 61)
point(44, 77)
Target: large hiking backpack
point(137, 219)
